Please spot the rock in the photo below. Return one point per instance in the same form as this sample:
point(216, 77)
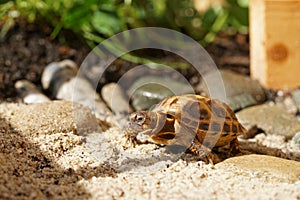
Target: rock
point(150, 90)
point(286, 101)
point(29, 92)
point(62, 81)
point(57, 73)
point(290, 105)
point(240, 101)
point(116, 99)
point(118, 102)
point(296, 139)
point(148, 95)
point(296, 97)
point(271, 119)
point(241, 90)
point(275, 169)
point(52, 117)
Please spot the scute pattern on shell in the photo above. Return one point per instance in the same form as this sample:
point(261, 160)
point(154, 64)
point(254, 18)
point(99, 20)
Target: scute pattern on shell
point(209, 114)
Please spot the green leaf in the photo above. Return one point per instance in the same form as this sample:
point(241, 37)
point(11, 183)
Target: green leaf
point(106, 23)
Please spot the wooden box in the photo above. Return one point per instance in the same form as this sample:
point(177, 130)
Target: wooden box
point(275, 43)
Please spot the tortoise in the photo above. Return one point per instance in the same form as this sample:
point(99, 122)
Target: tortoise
point(196, 122)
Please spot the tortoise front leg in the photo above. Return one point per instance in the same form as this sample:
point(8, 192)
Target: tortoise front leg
point(203, 152)
point(234, 147)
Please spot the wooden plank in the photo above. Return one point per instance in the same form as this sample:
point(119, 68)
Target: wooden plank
point(275, 42)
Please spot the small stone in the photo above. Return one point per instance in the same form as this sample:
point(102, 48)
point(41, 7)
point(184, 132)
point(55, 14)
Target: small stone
point(296, 96)
point(275, 169)
point(116, 99)
point(150, 90)
point(270, 119)
point(57, 73)
point(63, 82)
point(287, 103)
point(241, 91)
point(296, 139)
point(118, 102)
point(29, 92)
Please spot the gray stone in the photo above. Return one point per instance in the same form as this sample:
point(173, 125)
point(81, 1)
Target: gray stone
point(241, 90)
point(271, 119)
point(296, 139)
point(240, 101)
point(118, 102)
point(296, 96)
point(57, 73)
point(29, 92)
point(63, 82)
point(287, 103)
point(150, 90)
point(148, 95)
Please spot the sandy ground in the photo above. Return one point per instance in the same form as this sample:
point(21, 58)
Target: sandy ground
point(45, 154)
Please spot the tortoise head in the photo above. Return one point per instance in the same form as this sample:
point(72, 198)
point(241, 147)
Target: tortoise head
point(159, 126)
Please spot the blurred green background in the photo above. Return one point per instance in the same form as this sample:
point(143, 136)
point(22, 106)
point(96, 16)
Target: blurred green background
point(96, 20)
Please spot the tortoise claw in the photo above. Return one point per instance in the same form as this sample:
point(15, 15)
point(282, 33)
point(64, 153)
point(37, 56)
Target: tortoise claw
point(203, 153)
point(131, 137)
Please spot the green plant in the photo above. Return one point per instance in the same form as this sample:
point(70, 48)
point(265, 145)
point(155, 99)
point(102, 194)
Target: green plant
point(96, 20)
point(99, 19)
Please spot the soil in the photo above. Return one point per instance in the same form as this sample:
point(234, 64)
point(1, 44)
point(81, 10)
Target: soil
point(27, 49)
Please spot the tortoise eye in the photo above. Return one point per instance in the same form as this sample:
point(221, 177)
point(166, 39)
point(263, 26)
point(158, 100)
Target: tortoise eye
point(169, 116)
point(139, 118)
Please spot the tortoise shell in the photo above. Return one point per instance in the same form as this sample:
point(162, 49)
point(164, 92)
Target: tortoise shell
point(196, 122)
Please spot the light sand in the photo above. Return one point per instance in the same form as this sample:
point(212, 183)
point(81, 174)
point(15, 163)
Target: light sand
point(44, 158)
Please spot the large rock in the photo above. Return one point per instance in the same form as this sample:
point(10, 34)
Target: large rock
point(241, 91)
point(150, 90)
point(52, 117)
point(271, 119)
point(275, 169)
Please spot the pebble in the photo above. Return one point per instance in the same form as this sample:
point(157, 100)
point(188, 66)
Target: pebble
point(241, 91)
point(290, 105)
point(296, 139)
point(116, 99)
point(56, 73)
point(118, 102)
point(29, 92)
point(271, 119)
point(286, 101)
point(62, 81)
point(273, 168)
point(149, 90)
point(296, 96)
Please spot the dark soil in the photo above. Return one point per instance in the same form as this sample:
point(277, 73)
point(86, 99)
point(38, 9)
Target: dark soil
point(27, 49)
point(25, 52)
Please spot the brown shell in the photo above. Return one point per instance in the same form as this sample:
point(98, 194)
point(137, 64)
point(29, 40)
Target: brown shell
point(214, 121)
